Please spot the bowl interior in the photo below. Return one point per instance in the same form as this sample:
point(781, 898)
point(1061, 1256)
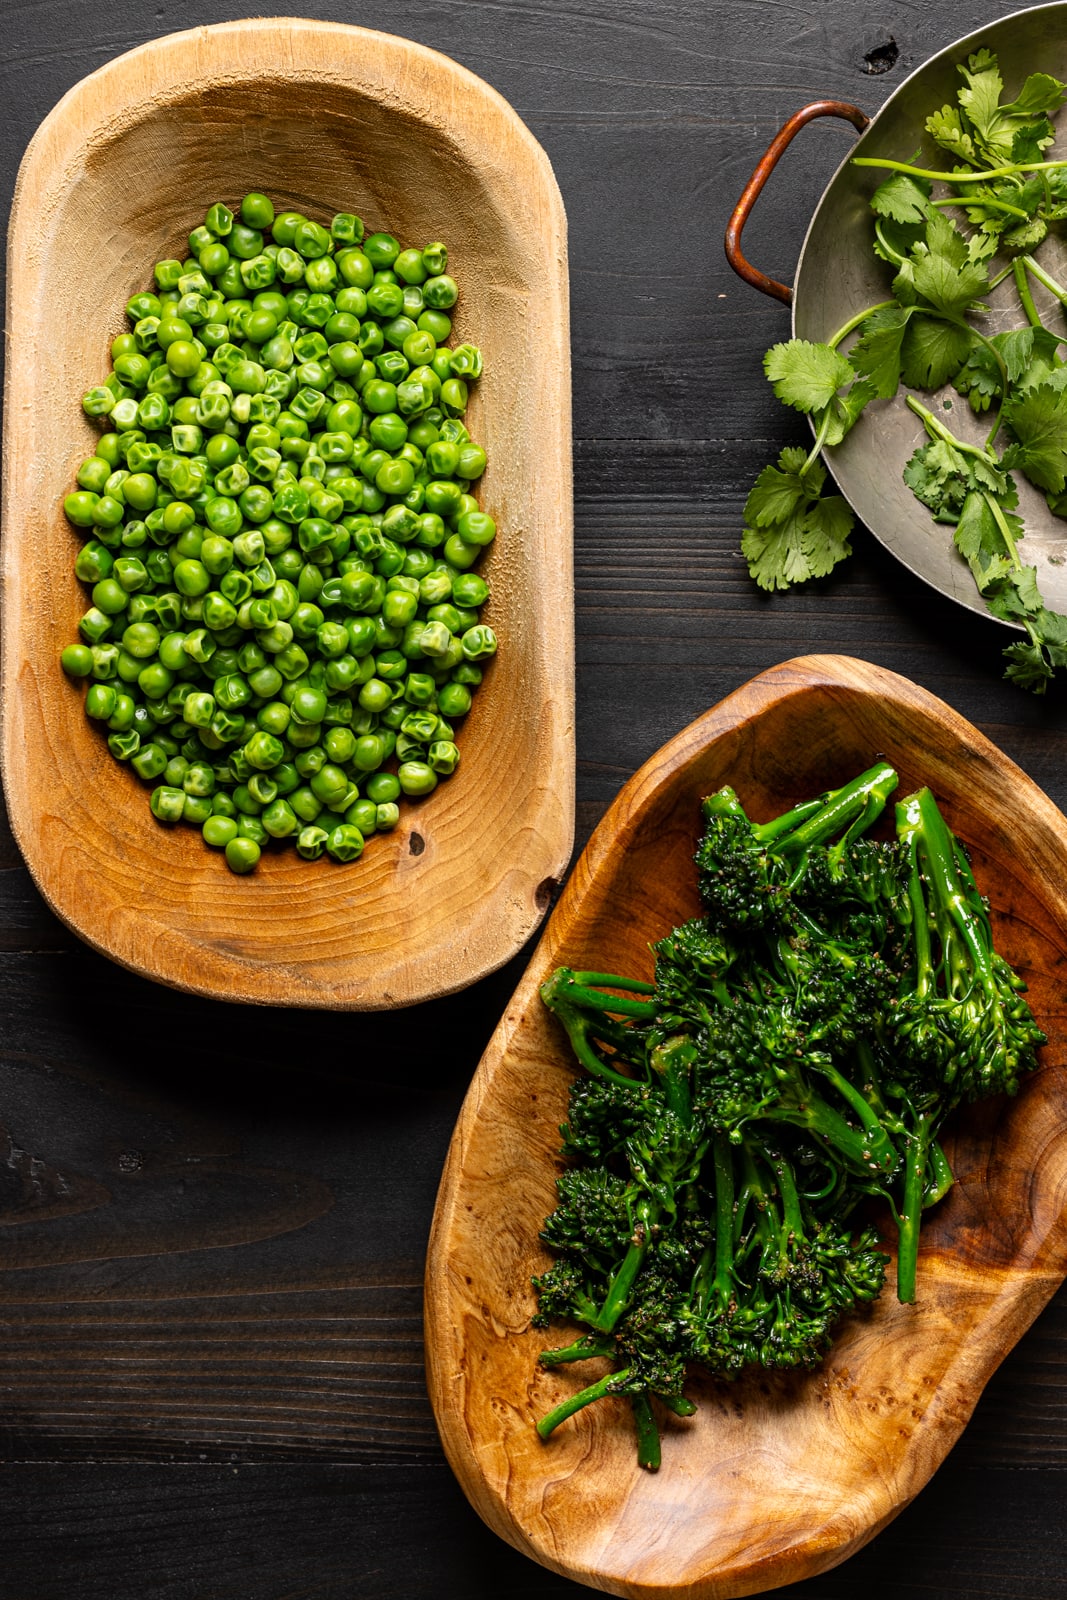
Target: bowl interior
point(776, 1477)
point(322, 119)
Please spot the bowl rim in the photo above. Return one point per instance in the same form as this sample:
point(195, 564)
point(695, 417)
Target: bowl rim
point(128, 90)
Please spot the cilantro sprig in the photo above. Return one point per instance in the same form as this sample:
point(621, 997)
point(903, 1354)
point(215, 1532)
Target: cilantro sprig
point(1008, 195)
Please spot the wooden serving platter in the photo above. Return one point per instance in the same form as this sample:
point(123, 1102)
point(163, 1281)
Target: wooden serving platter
point(775, 1478)
point(323, 118)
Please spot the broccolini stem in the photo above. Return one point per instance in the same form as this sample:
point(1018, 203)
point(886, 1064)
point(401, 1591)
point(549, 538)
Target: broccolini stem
point(865, 1157)
point(721, 1286)
point(612, 980)
point(881, 1152)
point(579, 1007)
point(940, 1177)
point(678, 1405)
point(672, 1061)
point(958, 911)
point(792, 1215)
point(622, 1283)
point(909, 1218)
point(648, 1450)
point(587, 1348)
point(582, 993)
point(864, 798)
point(871, 1081)
point(608, 1384)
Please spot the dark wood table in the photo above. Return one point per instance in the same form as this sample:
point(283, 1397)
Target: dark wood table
point(213, 1219)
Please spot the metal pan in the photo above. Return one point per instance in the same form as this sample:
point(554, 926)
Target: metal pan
point(839, 275)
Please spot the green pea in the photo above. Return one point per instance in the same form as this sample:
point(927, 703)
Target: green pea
point(344, 843)
point(100, 702)
point(454, 700)
point(475, 527)
point(440, 292)
point(311, 842)
point(110, 597)
point(141, 640)
point(77, 660)
point(167, 803)
point(280, 820)
point(218, 831)
point(416, 778)
point(242, 854)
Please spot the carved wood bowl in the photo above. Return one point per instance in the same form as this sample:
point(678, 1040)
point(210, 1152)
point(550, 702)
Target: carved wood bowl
point(322, 117)
point(775, 1478)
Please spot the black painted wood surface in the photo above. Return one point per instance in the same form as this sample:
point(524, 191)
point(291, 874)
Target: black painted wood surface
point(213, 1220)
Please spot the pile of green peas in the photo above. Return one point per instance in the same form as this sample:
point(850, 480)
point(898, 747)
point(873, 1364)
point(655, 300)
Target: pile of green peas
point(280, 534)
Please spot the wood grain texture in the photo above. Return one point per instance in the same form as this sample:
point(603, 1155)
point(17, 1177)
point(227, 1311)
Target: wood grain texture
point(324, 118)
point(776, 1478)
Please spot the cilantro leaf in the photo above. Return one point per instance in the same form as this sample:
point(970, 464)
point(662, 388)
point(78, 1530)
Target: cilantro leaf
point(943, 272)
point(778, 491)
point(1016, 346)
point(937, 475)
point(807, 545)
point(997, 126)
point(976, 533)
point(1040, 93)
point(1041, 367)
point(903, 198)
point(805, 375)
point(845, 410)
point(1028, 666)
point(1052, 626)
point(894, 240)
point(830, 522)
point(932, 352)
point(1027, 236)
point(981, 98)
point(877, 352)
point(1037, 419)
point(946, 128)
point(979, 379)
point(791, 534)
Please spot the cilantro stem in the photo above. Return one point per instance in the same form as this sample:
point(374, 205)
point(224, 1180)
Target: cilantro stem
point(994, 283)
point(937, 430)
point(1026, 299)
point(982, 200)
point(1038, 271)
point(1005, 532)
point(959, 177)
point(891, 254)
point(820, 440)
point(854, 322)
point(1012, 548)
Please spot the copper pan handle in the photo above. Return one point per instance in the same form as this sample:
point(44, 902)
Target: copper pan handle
point(754, 187)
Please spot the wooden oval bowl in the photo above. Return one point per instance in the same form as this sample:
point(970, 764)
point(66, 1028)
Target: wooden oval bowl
point(323, 118)
point(776, 1477)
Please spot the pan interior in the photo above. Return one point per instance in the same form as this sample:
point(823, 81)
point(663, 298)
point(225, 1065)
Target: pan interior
point(839, 275)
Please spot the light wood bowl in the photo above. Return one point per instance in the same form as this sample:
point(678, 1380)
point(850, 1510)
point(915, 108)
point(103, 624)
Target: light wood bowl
point(323, 118)
point(775, 1478)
